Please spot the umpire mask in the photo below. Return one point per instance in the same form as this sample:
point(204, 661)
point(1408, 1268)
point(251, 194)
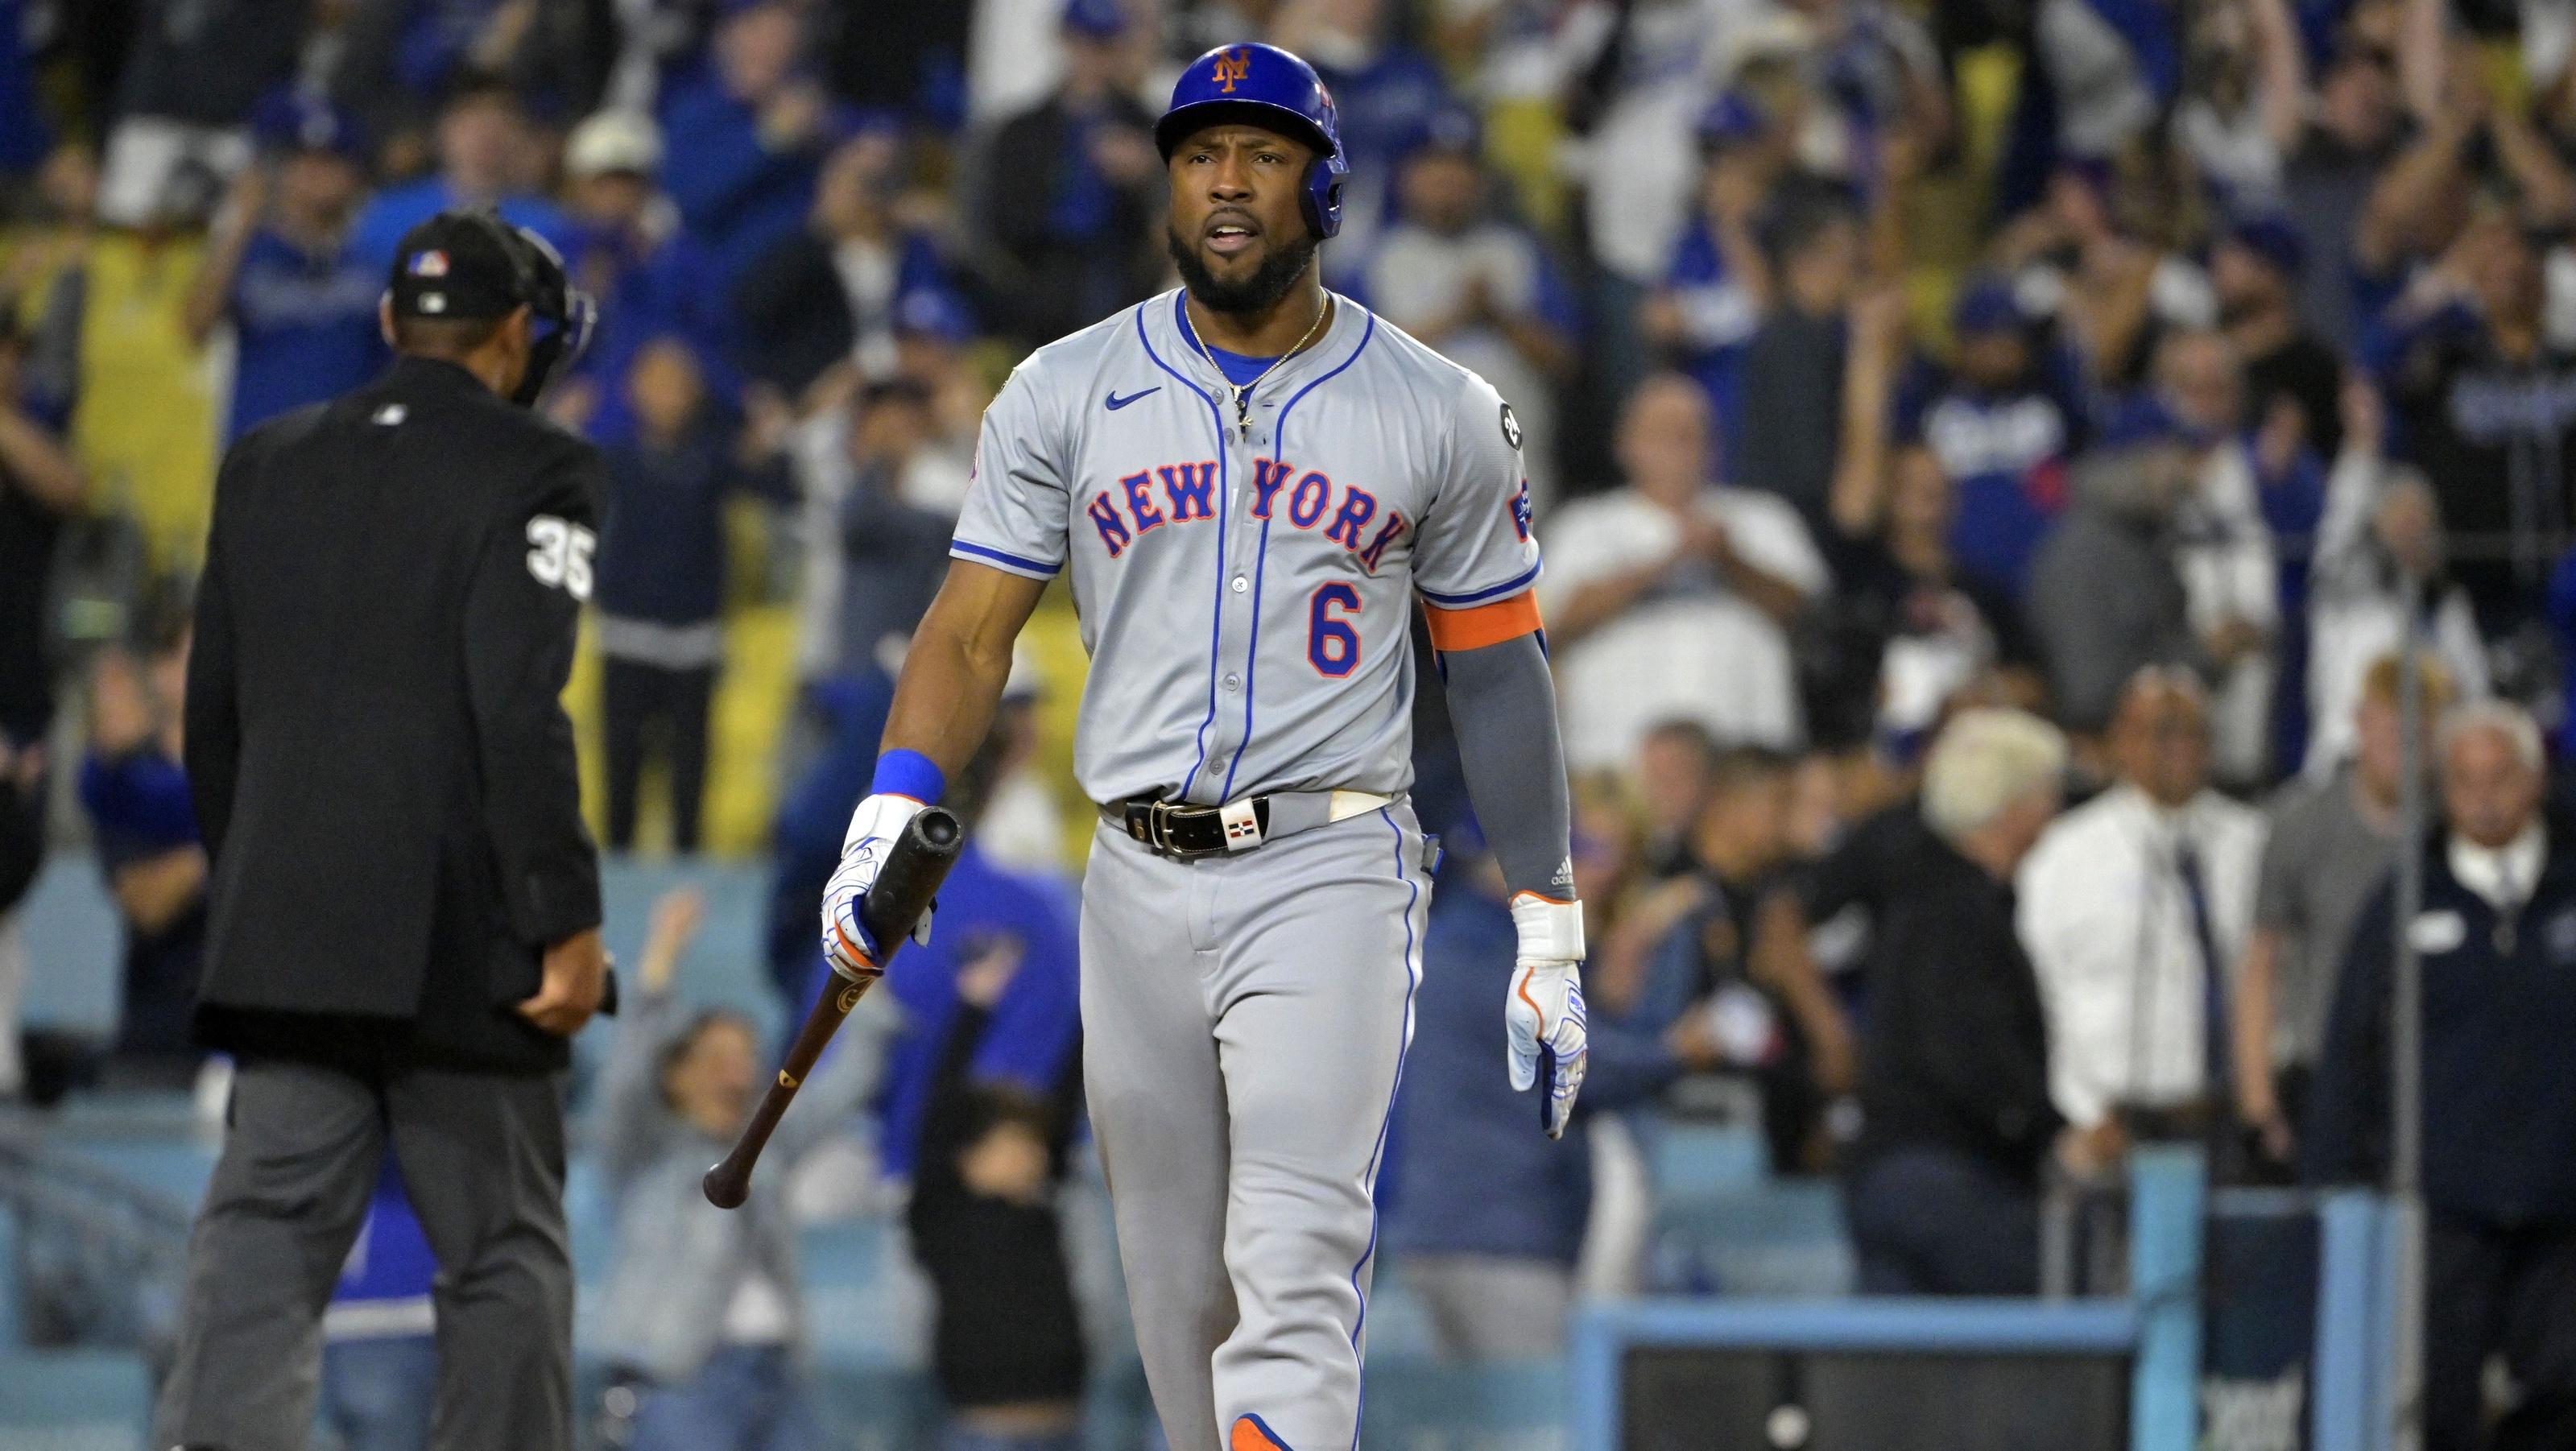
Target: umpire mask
point(563, 313)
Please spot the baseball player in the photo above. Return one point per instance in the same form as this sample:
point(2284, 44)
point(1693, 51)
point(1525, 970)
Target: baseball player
point(1251, 482)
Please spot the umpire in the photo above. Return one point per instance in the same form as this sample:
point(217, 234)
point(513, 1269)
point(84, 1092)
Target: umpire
point(405, 904)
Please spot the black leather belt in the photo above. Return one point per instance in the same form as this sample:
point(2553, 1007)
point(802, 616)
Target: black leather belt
point(1185, 833)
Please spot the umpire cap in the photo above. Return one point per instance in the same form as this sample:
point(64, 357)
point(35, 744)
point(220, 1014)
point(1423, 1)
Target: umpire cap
point(1264, 86)
point(472, 264)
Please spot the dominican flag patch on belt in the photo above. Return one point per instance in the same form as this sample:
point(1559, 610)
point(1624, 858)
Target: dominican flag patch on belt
point(1242, 824)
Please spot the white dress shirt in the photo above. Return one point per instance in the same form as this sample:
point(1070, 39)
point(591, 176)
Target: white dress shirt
point(2108, 925)
point(1690, 648)
point(2502, 876)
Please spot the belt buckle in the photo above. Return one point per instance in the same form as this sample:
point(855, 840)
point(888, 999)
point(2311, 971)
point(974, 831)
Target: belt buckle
point(1158, 828)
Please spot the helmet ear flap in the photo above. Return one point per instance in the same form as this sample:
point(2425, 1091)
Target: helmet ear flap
point(1323, 199)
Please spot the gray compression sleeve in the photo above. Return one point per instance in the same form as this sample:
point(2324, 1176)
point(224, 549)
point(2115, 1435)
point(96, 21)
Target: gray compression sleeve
point(1502, 704)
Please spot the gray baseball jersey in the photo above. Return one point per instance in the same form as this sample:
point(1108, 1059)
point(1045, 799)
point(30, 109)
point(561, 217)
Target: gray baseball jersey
point(1245, 592)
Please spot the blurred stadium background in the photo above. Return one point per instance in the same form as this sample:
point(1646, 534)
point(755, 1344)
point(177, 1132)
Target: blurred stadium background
point(1877, 358)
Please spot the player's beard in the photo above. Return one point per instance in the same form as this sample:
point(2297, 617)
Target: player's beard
point(1280, 268)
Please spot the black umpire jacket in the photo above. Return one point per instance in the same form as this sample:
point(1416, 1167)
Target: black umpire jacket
point(382, 767)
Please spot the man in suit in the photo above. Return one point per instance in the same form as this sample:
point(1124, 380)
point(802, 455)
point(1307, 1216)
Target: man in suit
point(404, 907)
point(2496, 931)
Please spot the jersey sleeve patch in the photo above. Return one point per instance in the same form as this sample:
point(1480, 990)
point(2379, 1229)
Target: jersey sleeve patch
point(1477, 626)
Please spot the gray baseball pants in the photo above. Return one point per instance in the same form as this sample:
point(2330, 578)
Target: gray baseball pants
point(482, 1157)
point(1244, 1024)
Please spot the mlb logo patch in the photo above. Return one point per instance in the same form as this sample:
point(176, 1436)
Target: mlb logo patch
point(432, 263)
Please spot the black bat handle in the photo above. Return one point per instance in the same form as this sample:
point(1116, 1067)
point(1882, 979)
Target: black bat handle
point(915, 866)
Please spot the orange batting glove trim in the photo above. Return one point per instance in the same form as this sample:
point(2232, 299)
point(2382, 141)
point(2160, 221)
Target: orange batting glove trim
point(852, 948)
point(1477, 626)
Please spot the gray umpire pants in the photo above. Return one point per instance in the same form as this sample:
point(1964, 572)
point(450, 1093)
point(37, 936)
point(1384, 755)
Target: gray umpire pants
point(482, 1159)
point(1244, 1024)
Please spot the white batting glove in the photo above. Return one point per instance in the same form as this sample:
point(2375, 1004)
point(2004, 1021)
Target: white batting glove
point(1543, 1018)
point(879, 820)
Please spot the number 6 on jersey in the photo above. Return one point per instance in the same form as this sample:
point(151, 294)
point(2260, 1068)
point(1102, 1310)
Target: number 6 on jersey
point(1331, 643)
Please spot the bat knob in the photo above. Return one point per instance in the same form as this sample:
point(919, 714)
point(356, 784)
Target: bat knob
point(726, 1185)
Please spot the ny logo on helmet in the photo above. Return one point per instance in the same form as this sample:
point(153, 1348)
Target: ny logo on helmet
point(1231, 66)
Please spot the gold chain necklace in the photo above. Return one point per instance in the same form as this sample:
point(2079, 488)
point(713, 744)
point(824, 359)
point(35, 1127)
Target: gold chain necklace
point(1243, 394)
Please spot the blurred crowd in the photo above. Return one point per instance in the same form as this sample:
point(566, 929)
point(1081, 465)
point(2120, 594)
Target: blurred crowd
point(1932, 413)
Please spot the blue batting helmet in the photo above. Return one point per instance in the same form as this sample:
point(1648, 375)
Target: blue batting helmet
point(1266, 87)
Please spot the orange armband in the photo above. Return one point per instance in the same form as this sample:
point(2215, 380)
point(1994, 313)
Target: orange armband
point(1480, 625)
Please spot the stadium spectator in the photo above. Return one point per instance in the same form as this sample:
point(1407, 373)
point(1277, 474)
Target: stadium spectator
point(890, 553)
point(2083, 257)
point(933, 335)
point(2003, 421)
point(1072, 189)
point(1671, 598)
point(1907, 625)
point(660, 591)
point(41, 486)
point(379, 1338)
point(2106, 598)
point(2352, 133)
point(2133, 908)
point(1735, 952)
point(2255, 270)
point(651, 278)
point(2498, 1097)
point(2485, 404)
point(1477, 287)
point(281, 270)
point(1846, 889)
point(1636, 83)
point(2381, 533)
point(1672, 773)
point(1719, 284)
point(2245, 67)
point(702, 1316)
point(1957, 1120)
point(2327, 846)
point(748, 136)
point(1916, 628)
point(1793, 365)
point(979, 1108)
point(487, 157)
point(828, 295)
point(136, 794)
point(2223, 540)
point(1876, 64)
point(195, 69)
point(45, 277)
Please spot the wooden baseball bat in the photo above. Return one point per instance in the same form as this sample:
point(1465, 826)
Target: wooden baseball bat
point(915, 866)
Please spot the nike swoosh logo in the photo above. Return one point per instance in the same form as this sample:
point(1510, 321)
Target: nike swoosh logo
point(1116, 402)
